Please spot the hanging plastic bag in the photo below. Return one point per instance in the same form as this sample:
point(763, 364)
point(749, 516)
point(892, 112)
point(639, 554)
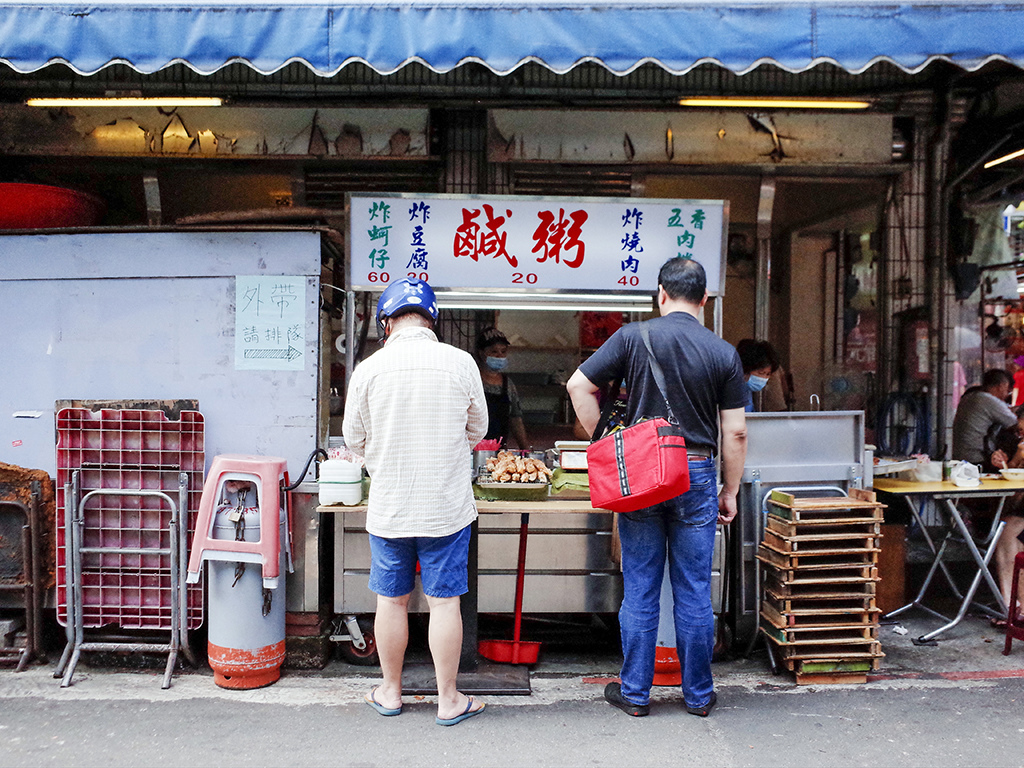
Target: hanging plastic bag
point(926, 471)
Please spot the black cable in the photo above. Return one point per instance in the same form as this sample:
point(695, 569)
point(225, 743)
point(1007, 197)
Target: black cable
point(305, 469)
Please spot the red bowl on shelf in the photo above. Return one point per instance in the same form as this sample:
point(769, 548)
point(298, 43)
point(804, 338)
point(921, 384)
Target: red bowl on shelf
point(40, 206)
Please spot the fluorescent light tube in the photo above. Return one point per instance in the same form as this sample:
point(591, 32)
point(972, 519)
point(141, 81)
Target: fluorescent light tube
point(130, 101)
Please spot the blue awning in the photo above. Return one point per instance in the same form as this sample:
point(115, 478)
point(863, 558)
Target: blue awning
point(327, 36)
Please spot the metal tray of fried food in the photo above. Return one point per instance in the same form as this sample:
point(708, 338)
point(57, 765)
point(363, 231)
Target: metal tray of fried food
point(537, 484)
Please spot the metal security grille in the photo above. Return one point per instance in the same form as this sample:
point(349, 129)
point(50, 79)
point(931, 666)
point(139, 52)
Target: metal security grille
point(465, 150)
point(460, 327)
point(327, 188)
point(572, 181)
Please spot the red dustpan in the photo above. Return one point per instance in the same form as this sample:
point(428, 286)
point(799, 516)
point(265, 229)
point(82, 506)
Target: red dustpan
point(514, 651)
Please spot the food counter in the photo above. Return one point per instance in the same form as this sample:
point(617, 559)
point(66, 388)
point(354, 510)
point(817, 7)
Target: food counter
point(570, 564)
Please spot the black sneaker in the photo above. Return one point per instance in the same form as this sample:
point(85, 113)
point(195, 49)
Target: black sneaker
point(701, 711)
point(613, 695)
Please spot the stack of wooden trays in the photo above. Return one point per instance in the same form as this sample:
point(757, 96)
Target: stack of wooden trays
point(820, 559)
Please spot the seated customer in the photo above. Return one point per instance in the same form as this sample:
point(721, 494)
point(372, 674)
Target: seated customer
point(1009, 454)
point(982, 412)
point(978, 412)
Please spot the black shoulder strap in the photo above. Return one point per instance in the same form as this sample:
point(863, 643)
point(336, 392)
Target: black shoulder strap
point(659, 376)
point(606, 411)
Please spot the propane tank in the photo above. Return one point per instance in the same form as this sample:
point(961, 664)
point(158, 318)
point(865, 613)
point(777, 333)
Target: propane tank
point(246, 624)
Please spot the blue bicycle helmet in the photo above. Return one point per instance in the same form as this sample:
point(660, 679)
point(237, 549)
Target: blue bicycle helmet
point(405, 295)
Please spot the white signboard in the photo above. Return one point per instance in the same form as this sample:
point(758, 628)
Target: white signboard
point(531, 244)
point(270, 315)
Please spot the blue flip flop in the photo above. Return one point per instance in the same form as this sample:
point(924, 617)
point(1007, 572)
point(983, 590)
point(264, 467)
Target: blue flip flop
point(464, 716)
point(371, 699)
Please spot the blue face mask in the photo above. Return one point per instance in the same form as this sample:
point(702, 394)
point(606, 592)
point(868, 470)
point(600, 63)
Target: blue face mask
point(497, 363)
point(756, 383)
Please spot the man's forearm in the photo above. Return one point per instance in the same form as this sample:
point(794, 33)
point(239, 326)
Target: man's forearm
point(583, 394)
point(734, 454)
point(734, 448)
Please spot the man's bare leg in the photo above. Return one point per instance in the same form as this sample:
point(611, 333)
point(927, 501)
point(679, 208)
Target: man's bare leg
point(391, 630)
point(1006, 550)
point(445, 639)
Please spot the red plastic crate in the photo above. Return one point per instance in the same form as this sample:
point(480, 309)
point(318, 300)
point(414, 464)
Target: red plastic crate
point(138, 450)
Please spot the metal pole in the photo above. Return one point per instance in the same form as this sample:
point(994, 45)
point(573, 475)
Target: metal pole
point(938, 246)
point(70, 496)
point(764, 258)
point(350, 335)
point(175, 582)
point(183, 516)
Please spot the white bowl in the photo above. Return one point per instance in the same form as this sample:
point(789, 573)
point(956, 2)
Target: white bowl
point(1012, 474)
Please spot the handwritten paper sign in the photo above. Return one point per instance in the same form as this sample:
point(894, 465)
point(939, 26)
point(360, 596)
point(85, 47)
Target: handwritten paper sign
point(270, 317)
point(531, 244)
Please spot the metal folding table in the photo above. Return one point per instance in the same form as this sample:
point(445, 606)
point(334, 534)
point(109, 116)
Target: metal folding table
point(947, 497)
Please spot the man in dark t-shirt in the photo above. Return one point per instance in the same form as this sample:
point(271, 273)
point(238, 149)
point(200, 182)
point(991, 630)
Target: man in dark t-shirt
point(706, 389)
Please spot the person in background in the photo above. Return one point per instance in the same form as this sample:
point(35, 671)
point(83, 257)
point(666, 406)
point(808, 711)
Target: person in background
point(704, 383)
point(415, 410)
point(778, 394)
point(1018, 381)
point(759, 363)
point(504, 410)
point(981, 412)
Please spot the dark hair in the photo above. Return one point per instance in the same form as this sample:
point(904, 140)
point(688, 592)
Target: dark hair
point(756, 354)
point(1019, 412)
point(994, 377)
point(489, 337)
point(683, 279)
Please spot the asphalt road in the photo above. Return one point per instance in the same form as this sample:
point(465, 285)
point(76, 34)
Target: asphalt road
point(111, 719)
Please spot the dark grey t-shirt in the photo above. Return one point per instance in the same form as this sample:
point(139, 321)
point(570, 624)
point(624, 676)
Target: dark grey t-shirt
point(977, 412)
point(702, 372)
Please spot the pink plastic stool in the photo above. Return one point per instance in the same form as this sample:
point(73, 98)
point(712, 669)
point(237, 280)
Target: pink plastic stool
point(266, 472)
point(1014, 621)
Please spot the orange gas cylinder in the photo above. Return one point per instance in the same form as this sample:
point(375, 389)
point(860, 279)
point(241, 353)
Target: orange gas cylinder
point(246, 622)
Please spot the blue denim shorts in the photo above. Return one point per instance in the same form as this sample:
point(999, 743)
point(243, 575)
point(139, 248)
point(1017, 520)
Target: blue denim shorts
point(443, 564)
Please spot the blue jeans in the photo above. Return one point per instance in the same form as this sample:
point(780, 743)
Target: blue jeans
point(685, 528)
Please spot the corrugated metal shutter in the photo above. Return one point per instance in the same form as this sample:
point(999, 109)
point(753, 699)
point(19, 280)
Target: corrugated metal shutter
point(571, 181)
point(327, 188)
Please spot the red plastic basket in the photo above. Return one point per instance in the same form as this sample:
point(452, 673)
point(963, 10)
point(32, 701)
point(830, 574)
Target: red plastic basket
point(128, 449)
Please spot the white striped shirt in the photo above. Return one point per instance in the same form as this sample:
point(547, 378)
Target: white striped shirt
point(415, 409)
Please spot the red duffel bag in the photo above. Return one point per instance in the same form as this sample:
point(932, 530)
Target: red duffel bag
point(641, 465)
point(638, 467)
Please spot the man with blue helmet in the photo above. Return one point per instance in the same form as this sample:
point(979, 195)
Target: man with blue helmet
point(415, 410)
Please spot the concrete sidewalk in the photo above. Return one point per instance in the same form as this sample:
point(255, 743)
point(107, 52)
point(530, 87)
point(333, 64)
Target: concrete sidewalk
point(951, 705)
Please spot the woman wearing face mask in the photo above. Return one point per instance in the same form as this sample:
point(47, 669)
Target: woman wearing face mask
point(503, 407)
point(759, 363)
